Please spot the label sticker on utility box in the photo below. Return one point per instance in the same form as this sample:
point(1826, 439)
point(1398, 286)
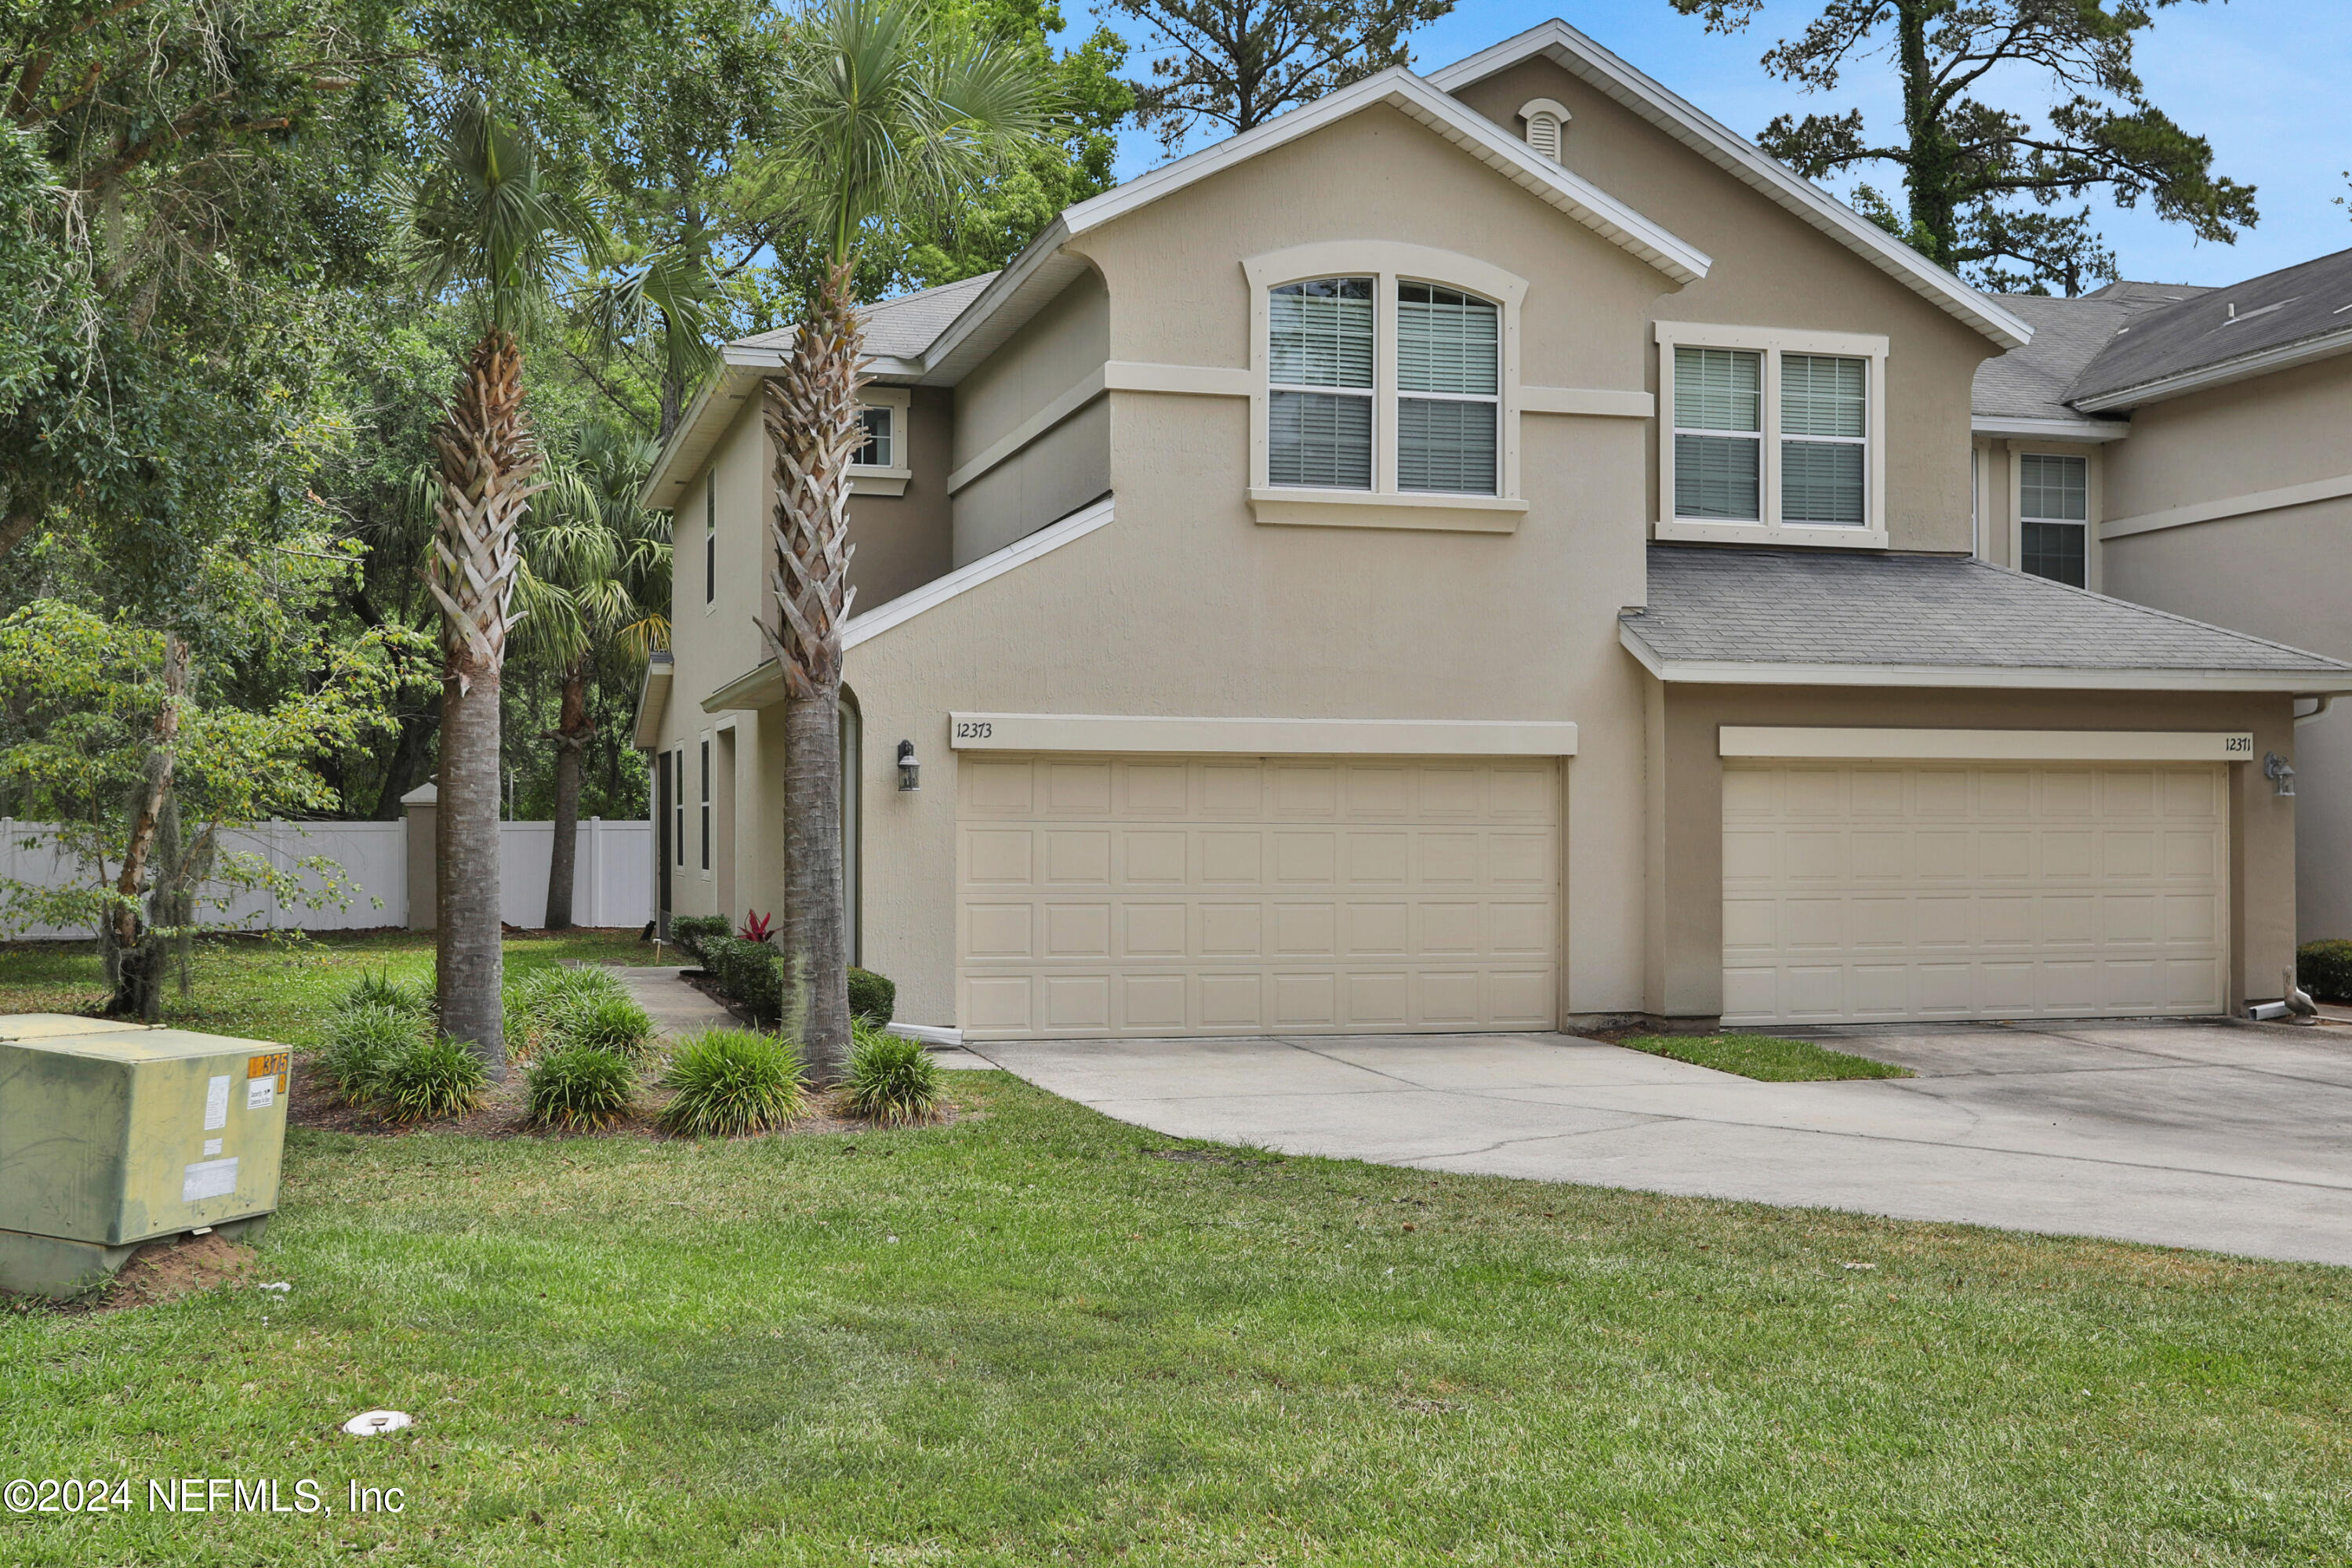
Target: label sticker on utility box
point(260, 1093)
point(207, 1179)
point(272, 1066)
point(216, 1103)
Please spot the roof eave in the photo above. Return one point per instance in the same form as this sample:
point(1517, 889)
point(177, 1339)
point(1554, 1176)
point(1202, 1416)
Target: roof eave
point(2033, 427)
point(653, 700)
point(1588, 61)
point(2244, 367)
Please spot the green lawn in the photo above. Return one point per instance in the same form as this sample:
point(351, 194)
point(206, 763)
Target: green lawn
point(1764, 1057)
point(1030, 1338)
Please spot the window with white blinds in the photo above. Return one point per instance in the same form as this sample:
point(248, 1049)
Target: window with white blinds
point(1767, 436)
point(1719, 434)
point(1320, 383)
point(1449, 389)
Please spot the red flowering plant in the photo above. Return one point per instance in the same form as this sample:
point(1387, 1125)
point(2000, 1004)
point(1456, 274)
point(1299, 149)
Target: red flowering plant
point(756, 926)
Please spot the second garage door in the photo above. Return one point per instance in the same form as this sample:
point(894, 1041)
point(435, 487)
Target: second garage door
point(1141, 896)
point(1863, 892)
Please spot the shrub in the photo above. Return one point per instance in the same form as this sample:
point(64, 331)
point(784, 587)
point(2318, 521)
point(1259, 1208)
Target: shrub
point(361, 1040)
point(751, 974)
point(612, 1024)
point(689, 932)
point(2324, 969)
point(871, 996)
point(543, 1007)
point(580, 1088)
point(431, 1080)
point(381, 990)
point(892, 1079)
point(731, 1081)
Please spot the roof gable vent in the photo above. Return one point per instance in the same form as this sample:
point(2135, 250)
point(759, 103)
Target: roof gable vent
point(1547, 121)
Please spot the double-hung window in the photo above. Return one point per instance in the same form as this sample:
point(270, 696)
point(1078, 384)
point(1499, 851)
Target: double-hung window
point(1388, 388)
point(879, 438)
point(709, 538)
point(1319, 381)
point(1774, 434)
point(880, 466)
point(706, 803)
point(677, 805)
point(2053, 511)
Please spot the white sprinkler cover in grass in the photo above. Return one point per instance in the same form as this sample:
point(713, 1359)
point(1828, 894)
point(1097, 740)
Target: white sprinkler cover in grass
point(376, 1423)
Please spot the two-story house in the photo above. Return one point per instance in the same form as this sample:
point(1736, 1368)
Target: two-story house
point(1486, 550)
point(2187, 448)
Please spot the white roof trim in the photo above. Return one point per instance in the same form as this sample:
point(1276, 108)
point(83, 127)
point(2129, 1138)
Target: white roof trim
point(1726, 148)
point(2025, 428)
point(2242, 368)
point(898, 612)
point(1401, 89)
point(1985, 677)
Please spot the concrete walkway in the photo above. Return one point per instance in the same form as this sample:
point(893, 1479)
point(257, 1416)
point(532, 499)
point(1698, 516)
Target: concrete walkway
point(677, 1007)
point(2233, 1138)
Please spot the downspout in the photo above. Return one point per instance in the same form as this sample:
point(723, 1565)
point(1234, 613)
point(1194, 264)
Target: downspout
point(2325, 701)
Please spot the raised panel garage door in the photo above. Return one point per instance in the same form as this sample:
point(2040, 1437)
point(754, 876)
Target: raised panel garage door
point(1858, 893)
point(1143, 896)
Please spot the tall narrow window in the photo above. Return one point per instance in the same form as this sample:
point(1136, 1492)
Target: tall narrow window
point(2053, 511)
point(677, 805)
point(706, 803)
point(1449, 386)
point(1719, 434)
point(709, 538)
point(880, 443)
point(1824, 429)
point(1320, 383)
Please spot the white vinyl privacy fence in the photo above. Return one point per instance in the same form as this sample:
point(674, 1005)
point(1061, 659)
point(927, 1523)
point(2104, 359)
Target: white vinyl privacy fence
point(611, 884)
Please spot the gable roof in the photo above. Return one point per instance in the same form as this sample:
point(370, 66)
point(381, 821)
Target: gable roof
point(899, 328)
point(2220, 335)
point(1737, 157)
point(1821, 617)
point(2024, 391)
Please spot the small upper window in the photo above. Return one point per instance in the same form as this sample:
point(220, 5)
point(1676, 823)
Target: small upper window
point(880, 438)
point(1767, 437)
point(709, 538)
point(2053, 511)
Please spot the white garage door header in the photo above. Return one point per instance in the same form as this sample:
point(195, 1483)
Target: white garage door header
point(1106, 732)
point(1800, 744)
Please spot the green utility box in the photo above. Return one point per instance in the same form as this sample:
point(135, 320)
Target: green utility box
point(112, 1134)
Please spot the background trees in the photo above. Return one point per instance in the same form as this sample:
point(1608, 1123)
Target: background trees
point(1980, 182)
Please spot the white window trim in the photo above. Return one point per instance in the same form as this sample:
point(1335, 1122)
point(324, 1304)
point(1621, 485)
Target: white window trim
point(870, 479)
point(2092, 500)
point(711, 540)
point(1386, 262)
point(706, 811)
point(1772, 343)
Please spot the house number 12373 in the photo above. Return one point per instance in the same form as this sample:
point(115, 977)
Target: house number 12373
point(973, 729)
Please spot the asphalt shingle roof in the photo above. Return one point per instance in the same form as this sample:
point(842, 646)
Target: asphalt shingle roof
point(1816, 607)
point(900, 328)
point(2032, 382)
point(2309, 300)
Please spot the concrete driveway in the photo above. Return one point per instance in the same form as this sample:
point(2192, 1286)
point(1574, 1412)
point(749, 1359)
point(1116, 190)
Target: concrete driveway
point(2235, 1138)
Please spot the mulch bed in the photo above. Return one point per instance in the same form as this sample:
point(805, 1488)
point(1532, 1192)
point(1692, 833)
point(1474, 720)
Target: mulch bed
point(506, 1114)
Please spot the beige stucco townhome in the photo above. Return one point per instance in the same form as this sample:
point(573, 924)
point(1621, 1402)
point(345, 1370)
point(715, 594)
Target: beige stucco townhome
point(2187, 448)
point(1486, 550)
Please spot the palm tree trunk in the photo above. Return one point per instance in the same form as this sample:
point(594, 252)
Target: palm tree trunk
point(487, 458)
point(811, 414)
point(572, 729)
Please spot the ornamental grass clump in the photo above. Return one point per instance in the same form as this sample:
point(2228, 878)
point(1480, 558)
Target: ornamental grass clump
point(892, 1079)
point(362, 1042)
point(613, 1024)
point(579, 1089)
point(431, 1080)
point(379, 989)
point(729, 1082)
point(542, 1009)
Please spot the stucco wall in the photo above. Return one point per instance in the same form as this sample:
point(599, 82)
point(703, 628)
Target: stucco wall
point(1686, 834)
point(903, 541)
point(1773, 270)
point(1184, 605)
point(1058, 469)
point(2285, 428)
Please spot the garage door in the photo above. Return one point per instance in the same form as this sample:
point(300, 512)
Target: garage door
point(1858, 891)
point(1142, 896)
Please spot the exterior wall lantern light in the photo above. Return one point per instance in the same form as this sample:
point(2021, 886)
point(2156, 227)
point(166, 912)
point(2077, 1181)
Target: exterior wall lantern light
point(2276, 769)
point(910, 772)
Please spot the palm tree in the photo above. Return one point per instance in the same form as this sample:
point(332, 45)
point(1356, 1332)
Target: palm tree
point(489, 219)
point(595, 575)
point(886, 115)
point(675, 294)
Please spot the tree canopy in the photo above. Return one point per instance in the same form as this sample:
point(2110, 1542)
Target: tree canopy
point(1982, 184)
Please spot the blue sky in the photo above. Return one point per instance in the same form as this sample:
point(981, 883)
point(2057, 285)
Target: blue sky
point(2263, 80)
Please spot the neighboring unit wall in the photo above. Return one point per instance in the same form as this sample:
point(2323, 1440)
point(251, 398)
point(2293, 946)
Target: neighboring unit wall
point(903, 541)
point(1686, 967)
point(1999, 525)
point(1773, 270)
point(1032, 439)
